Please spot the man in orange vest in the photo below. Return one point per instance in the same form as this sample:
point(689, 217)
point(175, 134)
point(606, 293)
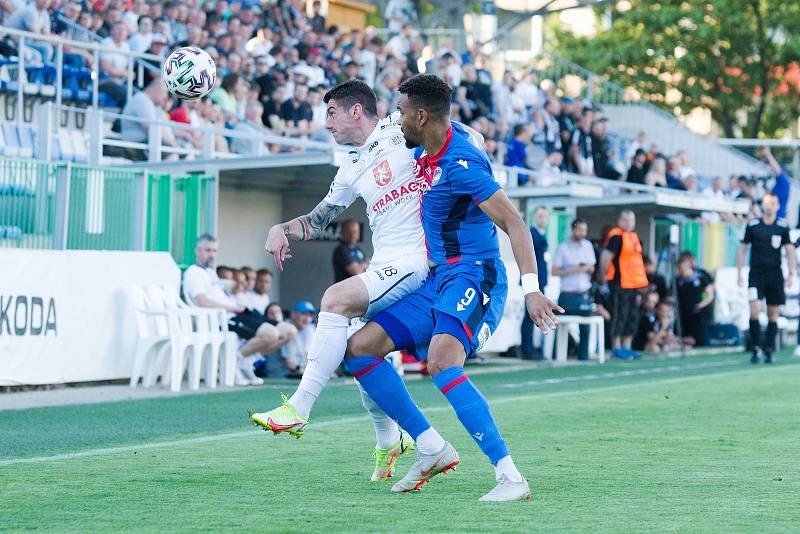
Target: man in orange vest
point(622, 261)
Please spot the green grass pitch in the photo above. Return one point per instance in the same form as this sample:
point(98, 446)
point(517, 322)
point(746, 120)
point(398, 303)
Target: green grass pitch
point(703, 444)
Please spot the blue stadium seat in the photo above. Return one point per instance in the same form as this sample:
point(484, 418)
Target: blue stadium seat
point(11, 136)
point(27, 141)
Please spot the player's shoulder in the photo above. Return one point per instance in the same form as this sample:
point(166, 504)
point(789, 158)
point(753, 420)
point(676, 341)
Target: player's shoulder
point(782, 223)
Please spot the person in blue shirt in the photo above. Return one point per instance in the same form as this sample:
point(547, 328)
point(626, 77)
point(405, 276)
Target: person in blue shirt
point(541, 215)
point(783, 183)
point(461, 303)
point(517, 151)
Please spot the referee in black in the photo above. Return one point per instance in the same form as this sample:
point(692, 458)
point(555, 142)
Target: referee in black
point(766, 237)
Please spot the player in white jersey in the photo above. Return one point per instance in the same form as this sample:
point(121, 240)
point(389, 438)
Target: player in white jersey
point(380, 170)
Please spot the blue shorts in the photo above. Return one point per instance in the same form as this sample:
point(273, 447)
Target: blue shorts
point(464, 299)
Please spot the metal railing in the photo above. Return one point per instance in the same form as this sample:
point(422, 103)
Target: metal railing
point(99, 141)
point(21, 67)
point(68, 206)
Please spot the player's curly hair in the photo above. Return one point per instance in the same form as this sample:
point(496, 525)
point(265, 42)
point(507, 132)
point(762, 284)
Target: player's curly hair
point(354, 92)
point(428, 92)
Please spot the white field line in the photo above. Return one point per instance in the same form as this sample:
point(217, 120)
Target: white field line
point(355, 419)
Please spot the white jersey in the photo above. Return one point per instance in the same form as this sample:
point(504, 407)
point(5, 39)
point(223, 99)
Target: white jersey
point(382, 173)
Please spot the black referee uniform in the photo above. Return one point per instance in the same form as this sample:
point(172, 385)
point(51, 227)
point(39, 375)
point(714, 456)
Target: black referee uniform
point(766, 277)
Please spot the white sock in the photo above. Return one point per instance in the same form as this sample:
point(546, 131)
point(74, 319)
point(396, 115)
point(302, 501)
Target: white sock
point(430, 442)
point(324, 356)
point(505, 466)
point(386, 430)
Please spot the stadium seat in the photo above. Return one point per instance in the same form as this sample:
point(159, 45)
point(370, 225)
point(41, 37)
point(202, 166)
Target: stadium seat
point(152, 341)
point(223, 344)
point(12, 143)
point(27, 141)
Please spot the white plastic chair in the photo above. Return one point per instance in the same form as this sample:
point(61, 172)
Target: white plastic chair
point(223, 345)
point(153, 340)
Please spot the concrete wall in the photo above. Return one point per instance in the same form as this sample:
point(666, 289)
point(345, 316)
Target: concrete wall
point(245, 215)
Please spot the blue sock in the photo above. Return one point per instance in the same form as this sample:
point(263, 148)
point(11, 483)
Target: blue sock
point(387, 389)
point(473, 411)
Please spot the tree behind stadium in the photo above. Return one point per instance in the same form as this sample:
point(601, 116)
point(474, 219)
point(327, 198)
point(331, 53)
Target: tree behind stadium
point(738, 58)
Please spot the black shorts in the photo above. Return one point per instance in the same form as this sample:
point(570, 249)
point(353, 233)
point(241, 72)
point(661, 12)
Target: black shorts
point(766, 285)
point(246, 324)
point(624, 311)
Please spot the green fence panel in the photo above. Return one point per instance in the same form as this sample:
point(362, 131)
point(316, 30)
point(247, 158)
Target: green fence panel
point(27, 203)
point(102, 208)
point(159, 210)
point(692, 238)
point(733, 236)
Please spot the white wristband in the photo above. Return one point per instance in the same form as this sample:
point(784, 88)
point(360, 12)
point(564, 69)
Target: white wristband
point(530, 283)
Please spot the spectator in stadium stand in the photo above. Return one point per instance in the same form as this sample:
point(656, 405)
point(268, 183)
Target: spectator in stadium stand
point(73, 56)
point(140, 39)
point(662, 337)
point(114, 64)
point(258, 296)
point(657, 174)
point(574, 261)
point(695, 289)
point(552, 165)
point(766, 236)
point(734, 189)
point(34, 18)
point(580, 160)
point(348, 258)
point(144, 105)
point(251, 127)
point(674, 174)
point(655, 282)
point(296, 112)
point(566, 124)
point(636, 172)
point(317, 21)
point(601, 151)
point(517, 152)
point(639, 143)
point(622, 261)
point(202, 287)
point(685, 169)
point(225, 95)
point(690, 184)
point(400, 43)
point(398, 14)
point(783, 183)
point(547, 123)
point(532, 348)
point(158, 47)
point(647, 321)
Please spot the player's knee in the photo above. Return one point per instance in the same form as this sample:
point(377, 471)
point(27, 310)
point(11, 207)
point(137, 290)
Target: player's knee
point(338, 300)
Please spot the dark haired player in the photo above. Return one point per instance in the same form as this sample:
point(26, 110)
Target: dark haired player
point(461, 303)
point(379, 169)
point(766, 237)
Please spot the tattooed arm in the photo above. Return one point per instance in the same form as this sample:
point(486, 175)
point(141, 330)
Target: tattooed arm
point(302, 228)
point(310, 225)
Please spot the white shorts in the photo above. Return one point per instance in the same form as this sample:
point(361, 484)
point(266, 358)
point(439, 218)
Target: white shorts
point(389, 282)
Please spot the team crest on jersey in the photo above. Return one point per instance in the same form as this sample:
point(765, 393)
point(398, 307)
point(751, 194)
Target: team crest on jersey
point(383, 174)
point(397, 140)
point(437, 175)
point(776, 241)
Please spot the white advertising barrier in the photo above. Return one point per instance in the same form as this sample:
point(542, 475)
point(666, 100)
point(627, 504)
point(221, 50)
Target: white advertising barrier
point(65, 316)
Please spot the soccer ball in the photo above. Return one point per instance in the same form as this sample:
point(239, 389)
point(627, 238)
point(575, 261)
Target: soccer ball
point(189, 73)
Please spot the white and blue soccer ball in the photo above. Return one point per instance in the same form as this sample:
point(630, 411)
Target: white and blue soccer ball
point(189, 73)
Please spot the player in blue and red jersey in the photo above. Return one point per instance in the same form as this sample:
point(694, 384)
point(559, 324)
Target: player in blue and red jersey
point(461, 303)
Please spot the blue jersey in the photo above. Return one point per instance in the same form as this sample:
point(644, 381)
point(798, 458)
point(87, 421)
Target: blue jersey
point(452, 184)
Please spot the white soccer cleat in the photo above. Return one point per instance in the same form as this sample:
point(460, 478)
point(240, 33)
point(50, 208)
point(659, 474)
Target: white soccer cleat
point(425, 467)
point(797, 351)
point(508, 490)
